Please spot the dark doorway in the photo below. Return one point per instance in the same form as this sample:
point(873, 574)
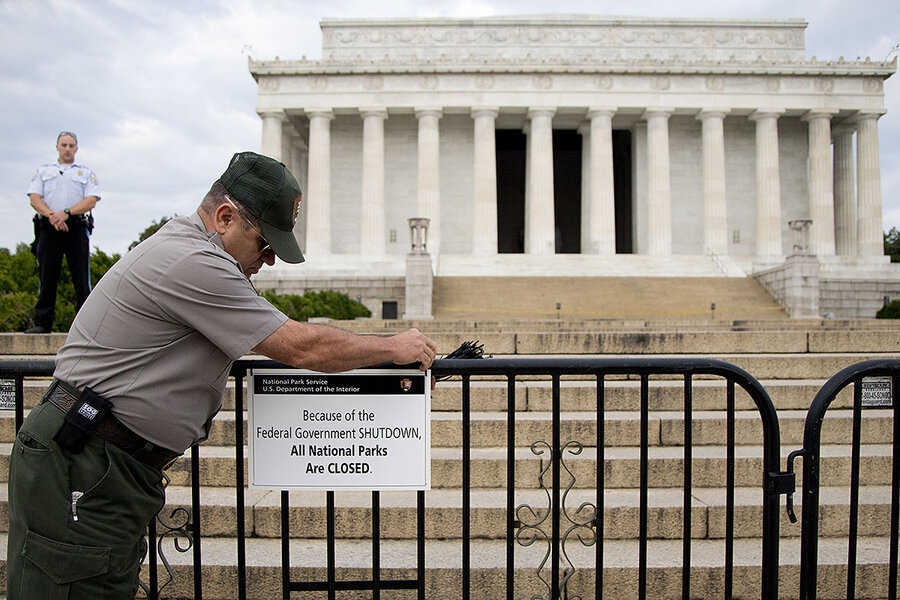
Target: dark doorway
point(510, 191)
point(567, 190)
point(389, 309)
point(621, 142)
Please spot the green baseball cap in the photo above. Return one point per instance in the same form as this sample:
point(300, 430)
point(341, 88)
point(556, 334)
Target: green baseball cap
point(270, 193)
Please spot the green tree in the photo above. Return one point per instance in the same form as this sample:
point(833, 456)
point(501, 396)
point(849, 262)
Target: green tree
point(19, 287)
point(892, 244)
point(151, 229)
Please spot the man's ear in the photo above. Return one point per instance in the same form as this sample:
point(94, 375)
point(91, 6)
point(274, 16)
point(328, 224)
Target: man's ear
point(224, 216)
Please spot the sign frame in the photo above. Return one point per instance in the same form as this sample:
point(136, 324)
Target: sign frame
point(368, 429)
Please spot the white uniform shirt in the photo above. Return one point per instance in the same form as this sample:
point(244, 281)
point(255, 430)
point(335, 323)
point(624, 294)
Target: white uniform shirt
point(63, 186)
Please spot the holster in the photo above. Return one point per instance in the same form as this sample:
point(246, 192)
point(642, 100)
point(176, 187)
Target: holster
point(82, 421)
point(37, 232)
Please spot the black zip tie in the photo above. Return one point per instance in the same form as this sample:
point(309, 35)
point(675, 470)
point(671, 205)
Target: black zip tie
point(468, 349)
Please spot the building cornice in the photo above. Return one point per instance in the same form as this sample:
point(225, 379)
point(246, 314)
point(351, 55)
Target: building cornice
point(813, 67)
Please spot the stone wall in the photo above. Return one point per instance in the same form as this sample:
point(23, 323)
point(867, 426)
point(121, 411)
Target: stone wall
point(856, 298)
point(370, 291)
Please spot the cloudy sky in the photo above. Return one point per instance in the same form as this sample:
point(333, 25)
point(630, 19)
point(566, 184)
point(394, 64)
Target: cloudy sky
point(160, 95)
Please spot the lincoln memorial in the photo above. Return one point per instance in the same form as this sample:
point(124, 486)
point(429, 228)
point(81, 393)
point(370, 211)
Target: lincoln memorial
point(577, 145)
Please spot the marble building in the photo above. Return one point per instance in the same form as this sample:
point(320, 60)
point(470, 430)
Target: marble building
point(575, 144)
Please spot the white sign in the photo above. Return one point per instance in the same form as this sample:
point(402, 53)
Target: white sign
point(7, 394)
point(368, 429)
point(876, 392)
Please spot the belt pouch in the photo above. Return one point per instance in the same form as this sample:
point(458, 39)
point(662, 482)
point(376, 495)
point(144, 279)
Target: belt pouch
point(82, 421)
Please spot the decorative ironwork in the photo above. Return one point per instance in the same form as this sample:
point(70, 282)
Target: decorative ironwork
point(582, 518)
point(176, 526)
point(532, 527)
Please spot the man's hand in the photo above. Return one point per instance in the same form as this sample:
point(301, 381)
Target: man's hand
point(58, 219)
point(413, 346)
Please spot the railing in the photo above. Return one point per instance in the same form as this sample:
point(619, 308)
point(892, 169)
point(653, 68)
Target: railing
point(854, 375)
point(773, 482)
point(526, 525)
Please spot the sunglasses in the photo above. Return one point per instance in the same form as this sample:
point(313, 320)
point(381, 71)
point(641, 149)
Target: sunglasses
point(62, 133)
point(264, 246)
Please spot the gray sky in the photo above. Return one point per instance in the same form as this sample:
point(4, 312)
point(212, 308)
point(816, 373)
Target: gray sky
point(160, 95)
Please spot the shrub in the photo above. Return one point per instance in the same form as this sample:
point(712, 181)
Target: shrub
point(889, 311)
point(19, 287)
point(327, 303)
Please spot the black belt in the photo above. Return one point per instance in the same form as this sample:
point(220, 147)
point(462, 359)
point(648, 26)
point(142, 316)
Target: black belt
point(63, 396)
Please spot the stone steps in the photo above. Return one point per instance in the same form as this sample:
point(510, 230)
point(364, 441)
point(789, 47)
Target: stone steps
point(791, 360)
point(621, 467)
point(443, 512)
point(621, 428)
point(443, 560)
point(591, 339)
point(616, 295)
point(579, 394)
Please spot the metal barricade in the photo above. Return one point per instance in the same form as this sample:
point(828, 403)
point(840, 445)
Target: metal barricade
point(525, 524)
point(855, 375)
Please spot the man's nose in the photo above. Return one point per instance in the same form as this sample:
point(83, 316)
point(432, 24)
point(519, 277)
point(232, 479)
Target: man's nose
point(269, 257)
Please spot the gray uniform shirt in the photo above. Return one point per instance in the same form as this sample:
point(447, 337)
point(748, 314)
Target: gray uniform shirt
point(159, 332)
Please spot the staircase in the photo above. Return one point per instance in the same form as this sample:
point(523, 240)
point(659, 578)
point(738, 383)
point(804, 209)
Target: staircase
point(696, 299)
point(791, 359)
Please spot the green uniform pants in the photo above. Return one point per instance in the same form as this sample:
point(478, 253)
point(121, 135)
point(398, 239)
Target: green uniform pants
point(92, 551)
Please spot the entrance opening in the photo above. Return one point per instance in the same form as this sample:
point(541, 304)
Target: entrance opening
point(510, 191)
point(621, 142)
point(567, 190)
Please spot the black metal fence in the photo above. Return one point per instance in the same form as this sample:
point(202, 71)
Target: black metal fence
point(554, 525)
point(881, 394)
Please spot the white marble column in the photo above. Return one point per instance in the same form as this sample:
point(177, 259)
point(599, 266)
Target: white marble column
point(821, 183)
point(272, 124)
point(584, 129)
point(429, 175)
point(484, 186)
point(601, 196)
point(715, 213)
point(372, 229)
point(844, 191)
point(639, 185)
point(659, 185)
point(869, 235)
point(294, 153)
point(526, 129)
point(318, 196)
point(540, 231)
point(768, 184)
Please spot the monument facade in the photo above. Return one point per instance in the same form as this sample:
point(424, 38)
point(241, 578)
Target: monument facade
point(573, 144)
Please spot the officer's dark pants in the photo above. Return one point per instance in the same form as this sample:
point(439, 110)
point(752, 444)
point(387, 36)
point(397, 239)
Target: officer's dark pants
point(52, 245)
point(51, 556)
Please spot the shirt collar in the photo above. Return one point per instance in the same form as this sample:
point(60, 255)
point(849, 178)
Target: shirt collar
point(212, 236)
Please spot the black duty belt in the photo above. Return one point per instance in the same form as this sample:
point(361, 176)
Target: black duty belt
point(63, 396)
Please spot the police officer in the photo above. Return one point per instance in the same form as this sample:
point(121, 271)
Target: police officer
point(62, 194)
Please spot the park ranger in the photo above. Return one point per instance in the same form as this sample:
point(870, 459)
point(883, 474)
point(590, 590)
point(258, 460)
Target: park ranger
point(141, 377)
